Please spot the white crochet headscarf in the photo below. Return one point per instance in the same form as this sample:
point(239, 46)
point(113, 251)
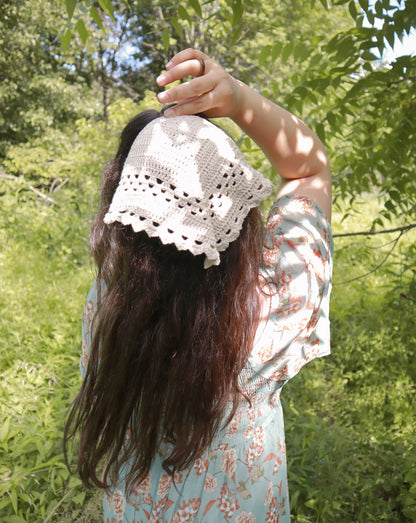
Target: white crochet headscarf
point(186, 182)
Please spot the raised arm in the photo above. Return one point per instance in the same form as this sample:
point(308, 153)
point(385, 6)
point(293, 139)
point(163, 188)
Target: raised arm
point(293, 149)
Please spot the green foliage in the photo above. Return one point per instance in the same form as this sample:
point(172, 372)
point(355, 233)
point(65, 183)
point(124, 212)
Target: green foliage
point(45, 272)
point(41, 279)
point(39, 88)
point(350, 418)
point(321, 61)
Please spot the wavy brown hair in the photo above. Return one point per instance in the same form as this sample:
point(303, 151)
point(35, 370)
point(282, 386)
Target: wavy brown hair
point(171, 339)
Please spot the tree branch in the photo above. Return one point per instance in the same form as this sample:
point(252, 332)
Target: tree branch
point(33, 189)
point(375, 268)
point(46, 198)
point(411, 77)
point(407, 297)
point(369, 233)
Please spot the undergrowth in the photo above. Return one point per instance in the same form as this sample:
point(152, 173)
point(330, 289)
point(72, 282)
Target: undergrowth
point(350, 418)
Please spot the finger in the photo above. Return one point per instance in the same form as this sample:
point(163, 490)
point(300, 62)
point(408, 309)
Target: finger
point(193, 106)
point(190, 67)
point(194, 88)
point(183, 56)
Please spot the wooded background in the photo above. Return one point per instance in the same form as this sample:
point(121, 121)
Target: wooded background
point(72, 74)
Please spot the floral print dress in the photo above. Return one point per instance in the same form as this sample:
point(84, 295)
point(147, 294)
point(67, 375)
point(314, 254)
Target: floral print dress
point(242, 477)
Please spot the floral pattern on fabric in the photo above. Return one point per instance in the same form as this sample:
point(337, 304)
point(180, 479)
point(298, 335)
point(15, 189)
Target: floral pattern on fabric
point(242, 477)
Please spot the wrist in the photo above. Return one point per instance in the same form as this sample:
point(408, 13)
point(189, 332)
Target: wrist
point(245, 106)
point(238, 100)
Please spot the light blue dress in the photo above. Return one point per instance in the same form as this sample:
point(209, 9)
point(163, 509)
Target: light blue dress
point(242, 477)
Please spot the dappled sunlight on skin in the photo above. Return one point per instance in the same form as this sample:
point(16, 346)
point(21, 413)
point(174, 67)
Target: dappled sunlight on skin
point(304, 144)
point(316, 188)
point(322, 157)
point(294, 151)
point(300, 152)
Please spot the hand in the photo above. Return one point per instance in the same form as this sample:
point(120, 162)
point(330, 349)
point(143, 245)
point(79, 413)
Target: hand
point(214, 93)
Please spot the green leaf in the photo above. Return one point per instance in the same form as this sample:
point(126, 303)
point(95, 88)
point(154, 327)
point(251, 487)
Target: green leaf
point(379, 8)
point(96, 17)
point(315, 60)
point(14, 499)
point(276, 90)
point(324, 3)
point(287, 51)
point(4, 429)
point(247, 143)
point(276, 50)
point(107, 7)
point(83, 8)
point(363, 5)
point(183, 14)
point(196, 7)
point(177, 26)
point(301, 52)
point(70, 7)
point(78, 499)
point(82, 30)
point(332, 119)
point(74, 482)
point(237, 34)
point(14, 519)
point(320, 131)
point(65, 40)
point(264, 53)
point(389, 36)
point(352, 9)
point(165, 38)
point(238, 11)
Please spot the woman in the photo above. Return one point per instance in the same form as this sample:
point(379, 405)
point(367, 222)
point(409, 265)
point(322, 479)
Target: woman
point(197, 319)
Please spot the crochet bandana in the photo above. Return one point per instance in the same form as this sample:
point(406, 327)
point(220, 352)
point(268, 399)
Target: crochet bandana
point(186, 182)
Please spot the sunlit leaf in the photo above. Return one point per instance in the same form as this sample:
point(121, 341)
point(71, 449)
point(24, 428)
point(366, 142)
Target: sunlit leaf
point(165, 38)
point(14, 519)
point(196, 7)
point(65, 40)
point(183, 14)
point(70, 7)
point(264, 53)
point(237, 34)
point(4, 429)
point(107, 7)
point(176, 25)
point(82, 30)
point(238, 11)
point(96, 17)
point(287, 51)
point(276, 50)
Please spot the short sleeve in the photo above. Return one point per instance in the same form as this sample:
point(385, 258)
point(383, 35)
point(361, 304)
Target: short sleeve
point(298, 253)
point(87, 326)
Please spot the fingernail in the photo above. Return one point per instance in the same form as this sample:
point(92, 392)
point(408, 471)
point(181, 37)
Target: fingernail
point(168, 113)
point(161, 79)
point(163, 97)
point(169, 64)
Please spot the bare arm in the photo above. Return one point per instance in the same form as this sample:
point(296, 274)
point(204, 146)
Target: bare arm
point(293, 149)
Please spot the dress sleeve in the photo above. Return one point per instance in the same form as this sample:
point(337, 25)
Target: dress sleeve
point(298, 252)
point(87, 326)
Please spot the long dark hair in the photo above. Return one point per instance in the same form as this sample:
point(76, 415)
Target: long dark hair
point(171, 340)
